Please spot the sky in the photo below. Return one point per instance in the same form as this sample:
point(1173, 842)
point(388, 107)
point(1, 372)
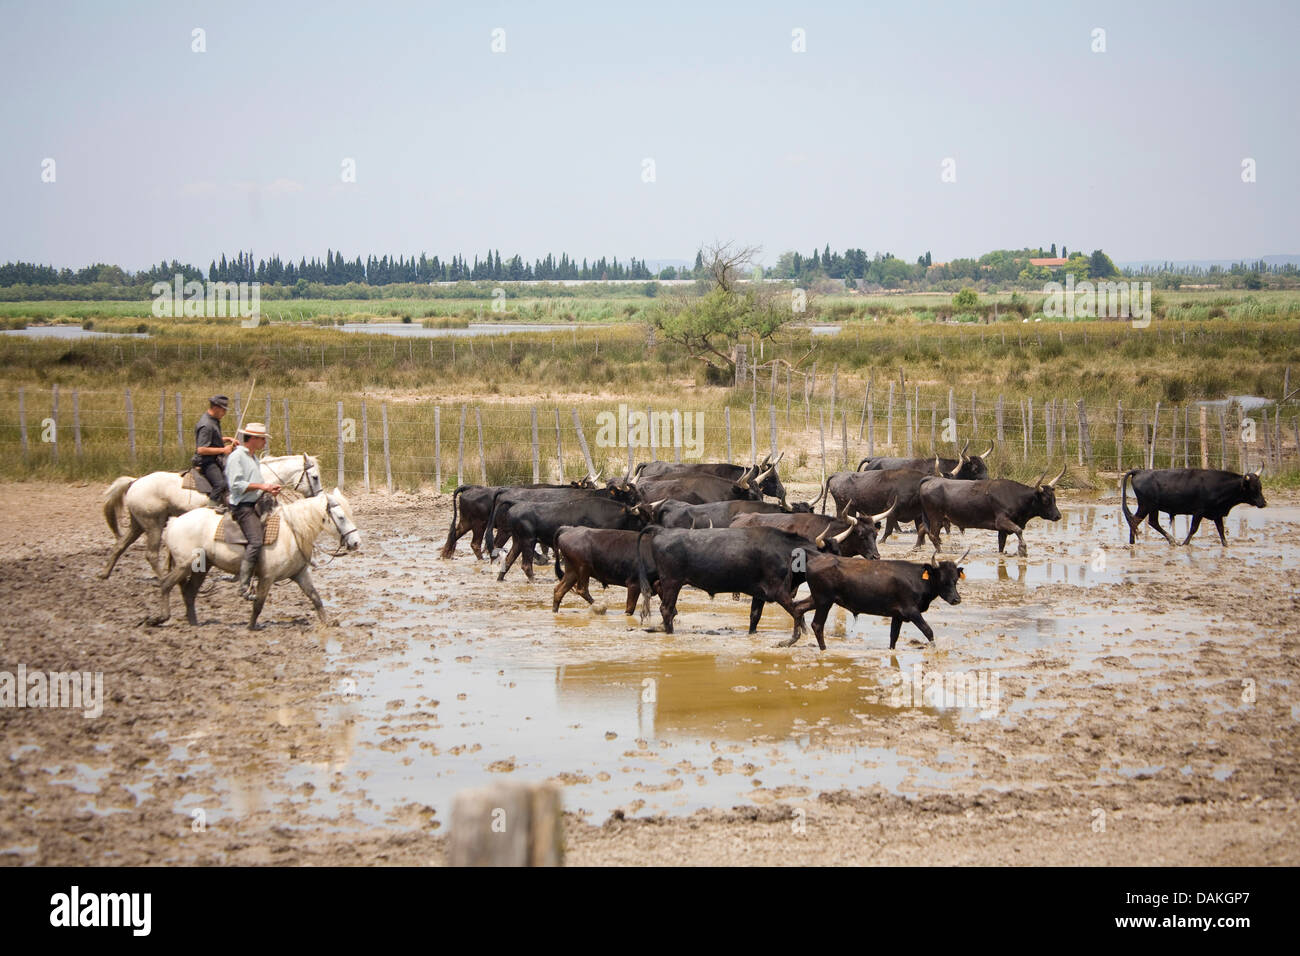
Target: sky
point(646, 129)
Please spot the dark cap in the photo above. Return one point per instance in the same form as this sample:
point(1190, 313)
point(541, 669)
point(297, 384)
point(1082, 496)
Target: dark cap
point(219, 400)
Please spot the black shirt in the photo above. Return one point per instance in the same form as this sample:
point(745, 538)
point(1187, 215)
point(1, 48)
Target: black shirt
point(207, 434)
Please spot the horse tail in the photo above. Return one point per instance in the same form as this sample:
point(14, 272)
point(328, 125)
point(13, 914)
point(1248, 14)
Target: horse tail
point(113, 501)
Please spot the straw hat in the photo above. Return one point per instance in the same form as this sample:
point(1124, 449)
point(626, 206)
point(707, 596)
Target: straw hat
point(255, 430)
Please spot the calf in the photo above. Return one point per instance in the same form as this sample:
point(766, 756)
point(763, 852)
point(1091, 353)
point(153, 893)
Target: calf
point(898, 590)
point(608, 556)
point(1199, 492)
point(998, 504)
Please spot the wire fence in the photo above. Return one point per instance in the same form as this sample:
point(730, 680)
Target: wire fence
point(399, 442)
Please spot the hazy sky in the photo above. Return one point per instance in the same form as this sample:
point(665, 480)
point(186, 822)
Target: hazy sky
point(164, 152)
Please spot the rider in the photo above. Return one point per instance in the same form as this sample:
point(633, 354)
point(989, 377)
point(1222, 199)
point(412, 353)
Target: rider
point(246, 487)
point(210, 448)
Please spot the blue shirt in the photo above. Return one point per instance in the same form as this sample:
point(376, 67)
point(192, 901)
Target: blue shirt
point(242, 469)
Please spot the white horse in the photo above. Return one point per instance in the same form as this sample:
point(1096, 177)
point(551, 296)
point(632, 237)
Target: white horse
point(191, 540)
point(151, 500)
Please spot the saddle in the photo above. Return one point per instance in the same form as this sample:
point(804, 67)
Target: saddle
point(192, 479)
point(232, 534)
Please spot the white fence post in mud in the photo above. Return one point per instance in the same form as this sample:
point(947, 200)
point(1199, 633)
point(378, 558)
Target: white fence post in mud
point(889, 419)
point(76, 422)
point(726, 416)
point(388, 461)
point(180, 424)
point(753, 435)
point(507, 824)
point(340, 443)
point(582, 443)
point(365, 447)
point(482, 461)
point(460, 449)
point(22, 420)
point(288, 445)
point(1205, 448)
point(130, 426)
point(537, 461)
point(1151, 447)
point(162, 420)
point(559, 445)
point(772, 412)
point(1119, 437)
point(437, 445)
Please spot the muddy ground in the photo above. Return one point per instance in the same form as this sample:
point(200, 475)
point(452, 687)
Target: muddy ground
point(1147, 707)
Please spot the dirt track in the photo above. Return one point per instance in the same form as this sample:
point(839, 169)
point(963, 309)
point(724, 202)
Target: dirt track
point(1149, 708)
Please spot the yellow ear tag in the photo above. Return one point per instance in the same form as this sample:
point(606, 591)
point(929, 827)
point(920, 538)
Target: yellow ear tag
point(925, 575)
point(961, 575)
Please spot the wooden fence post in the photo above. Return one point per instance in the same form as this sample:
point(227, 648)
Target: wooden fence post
point(772, 425)
point(1049, 411)
point(1119, 437)
point(76, 422)
point(1151, 448)
point(627, 423)
point(844, 438)
point(650, 426)
point(162, 420)
point(288, 445)
point(907, 408)
point(586, 454)
point(460, 449)
point(821, 429)
point(482, 460)
point(1187, 436)
point(437, 446)
point(180, 424)
point(1173, 440)
point(753, 435)
point(388, 462)
point(1026, 425)
point(559, 444)
point(130, 427)
point(871, 425)
point(268, 415)
point(537, 451)
point(889, 419)
point(999, 414)
point(340, 443)
point(974, 422)
point(365, 447)
point(1205, 448)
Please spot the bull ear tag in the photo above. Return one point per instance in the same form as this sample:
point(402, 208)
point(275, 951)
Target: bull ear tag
point(961, 575)
point(925, 575)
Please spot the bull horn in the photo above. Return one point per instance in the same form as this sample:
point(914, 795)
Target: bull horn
point(839, 538)
point(778, 459)
point(962, 454)
point(635, 480)
point(1258, 471)
point(989, 452)
point(710, 517)
point(1039, 482)
point(886, 513)
point(1052, 483)
point(936, 466)
point(767, 460)
point(765, 475)
point(963, 557)
point(957, 467)
point(743, 480)
point(821, 538)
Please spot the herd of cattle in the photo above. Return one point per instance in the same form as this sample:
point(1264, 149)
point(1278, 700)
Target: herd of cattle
point(670, 525)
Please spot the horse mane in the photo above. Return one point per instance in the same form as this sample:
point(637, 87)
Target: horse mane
point(297, 514)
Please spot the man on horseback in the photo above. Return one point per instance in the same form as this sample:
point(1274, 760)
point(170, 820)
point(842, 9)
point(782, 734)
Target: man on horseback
point(211, 448)
point(246, 487)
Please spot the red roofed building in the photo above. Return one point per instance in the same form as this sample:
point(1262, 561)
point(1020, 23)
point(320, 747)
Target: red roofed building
point(1050, 263)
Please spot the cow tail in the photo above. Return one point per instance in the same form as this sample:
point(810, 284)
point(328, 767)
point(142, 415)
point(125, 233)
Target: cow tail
point(555, 547)
point(488, 541)
point(643, 579)
point(449, 548)
point(1123, 494)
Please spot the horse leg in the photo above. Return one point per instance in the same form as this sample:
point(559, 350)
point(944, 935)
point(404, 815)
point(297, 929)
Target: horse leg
point(178, 574)
point(128, 538)
point(153, 549)
point(304, 581)
point(264, 583)
point(189, 591)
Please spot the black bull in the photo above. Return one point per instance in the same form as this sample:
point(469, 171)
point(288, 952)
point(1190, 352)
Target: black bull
point(1199, 492)
point(846, 538)
point(608, 556)
point(899, 590)
point(764, 563)
point(530, 522)
point(998, 504)
point(967, 468)
point(870, 492)
point(713, 514)
point(472, 504)
point(769, 482)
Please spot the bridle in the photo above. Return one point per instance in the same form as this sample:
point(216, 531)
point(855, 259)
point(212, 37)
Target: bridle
point(306, 466)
